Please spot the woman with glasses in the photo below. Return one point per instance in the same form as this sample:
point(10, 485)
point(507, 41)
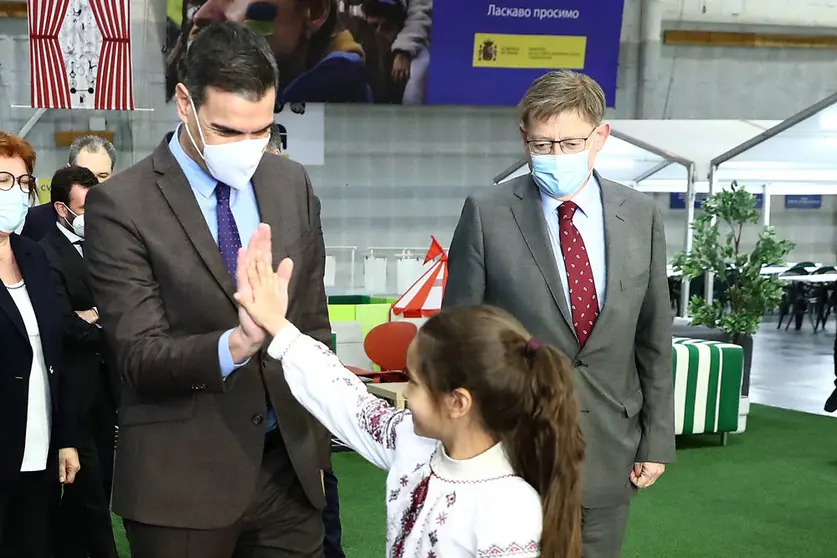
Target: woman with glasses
point(37, 439)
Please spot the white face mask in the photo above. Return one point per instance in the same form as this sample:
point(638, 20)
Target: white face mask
point(14, 205)
point(78, 222)
point(234, 163)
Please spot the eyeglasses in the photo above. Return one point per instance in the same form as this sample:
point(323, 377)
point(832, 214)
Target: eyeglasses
point(568, 146)
point(27, 182)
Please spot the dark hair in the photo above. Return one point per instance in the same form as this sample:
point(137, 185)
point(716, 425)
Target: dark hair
point(278, 138)
point(64, 179)
point(321, 39)
point(524, 393)
point(394, 12)
point(92, 144)
point(230, 57)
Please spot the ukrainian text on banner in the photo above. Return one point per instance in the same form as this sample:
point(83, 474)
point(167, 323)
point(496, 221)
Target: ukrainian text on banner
point(488, 52)
point(80, 54)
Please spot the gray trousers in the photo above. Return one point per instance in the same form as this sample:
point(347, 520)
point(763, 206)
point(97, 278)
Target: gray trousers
point(603, 530)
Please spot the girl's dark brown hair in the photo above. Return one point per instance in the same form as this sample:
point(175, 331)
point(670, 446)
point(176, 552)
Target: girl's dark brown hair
point(523, 391)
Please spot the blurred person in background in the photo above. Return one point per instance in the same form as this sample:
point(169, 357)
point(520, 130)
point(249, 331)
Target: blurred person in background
point(93, 152)
point(38, 434)
point(84, 525)
point(319, 61)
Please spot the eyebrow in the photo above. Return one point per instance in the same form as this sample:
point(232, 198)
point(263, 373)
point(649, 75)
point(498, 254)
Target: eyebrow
point(220, 128)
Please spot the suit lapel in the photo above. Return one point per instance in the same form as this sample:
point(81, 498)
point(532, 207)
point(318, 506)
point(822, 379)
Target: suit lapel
point(7, 305)
point(268, 188)
point(615, 248)
point(180, 197)
point(74, 261)
point(528, 213)
point(35, 282)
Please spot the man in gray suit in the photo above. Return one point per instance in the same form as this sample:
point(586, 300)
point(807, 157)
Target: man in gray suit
point(581, 261)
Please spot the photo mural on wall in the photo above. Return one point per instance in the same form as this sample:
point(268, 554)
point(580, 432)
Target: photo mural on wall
point(412, 52)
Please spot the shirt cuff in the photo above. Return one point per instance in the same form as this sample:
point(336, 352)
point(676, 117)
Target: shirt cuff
point(282, 341)
point(225, 358)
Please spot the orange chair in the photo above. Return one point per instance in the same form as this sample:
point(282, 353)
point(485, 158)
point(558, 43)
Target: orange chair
point(386, 345)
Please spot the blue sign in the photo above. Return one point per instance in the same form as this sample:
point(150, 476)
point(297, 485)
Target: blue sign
point(677, 200)
point(488, 52)
point(813, 201)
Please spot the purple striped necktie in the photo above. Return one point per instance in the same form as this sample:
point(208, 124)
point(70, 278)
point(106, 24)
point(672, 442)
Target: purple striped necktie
point(229, 240)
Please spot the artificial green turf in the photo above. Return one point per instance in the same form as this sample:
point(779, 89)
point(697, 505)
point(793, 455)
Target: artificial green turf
point(771, 492)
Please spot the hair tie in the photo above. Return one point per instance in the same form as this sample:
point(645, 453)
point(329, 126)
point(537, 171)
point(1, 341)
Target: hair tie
point(532, 347)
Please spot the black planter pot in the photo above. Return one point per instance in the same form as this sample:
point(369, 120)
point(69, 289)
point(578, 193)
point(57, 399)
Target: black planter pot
point(681, 328)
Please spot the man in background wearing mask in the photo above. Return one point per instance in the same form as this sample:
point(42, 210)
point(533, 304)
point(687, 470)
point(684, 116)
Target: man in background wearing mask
point(84, 524)
point(581, 262)
point(91, 152)
point(215, 457)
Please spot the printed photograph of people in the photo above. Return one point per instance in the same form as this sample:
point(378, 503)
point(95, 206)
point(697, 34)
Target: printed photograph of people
point(328, 51)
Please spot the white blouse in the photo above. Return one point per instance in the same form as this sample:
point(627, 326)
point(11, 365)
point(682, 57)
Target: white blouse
point(437, 507)
point(39, 406)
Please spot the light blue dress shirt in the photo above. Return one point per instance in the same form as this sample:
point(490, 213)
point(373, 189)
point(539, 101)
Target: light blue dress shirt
point(244, 208)
point(589, 220)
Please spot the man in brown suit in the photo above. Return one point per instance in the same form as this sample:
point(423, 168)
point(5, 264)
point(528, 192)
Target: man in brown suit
point(216, 458)
point(581, 262)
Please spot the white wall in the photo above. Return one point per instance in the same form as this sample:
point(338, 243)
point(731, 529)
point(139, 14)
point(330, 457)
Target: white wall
point(803, 13)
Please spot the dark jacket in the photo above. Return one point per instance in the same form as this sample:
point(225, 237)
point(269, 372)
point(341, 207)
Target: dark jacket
point(17, 363)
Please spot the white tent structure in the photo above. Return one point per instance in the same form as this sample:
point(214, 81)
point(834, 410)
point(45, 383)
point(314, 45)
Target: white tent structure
point(424, 297)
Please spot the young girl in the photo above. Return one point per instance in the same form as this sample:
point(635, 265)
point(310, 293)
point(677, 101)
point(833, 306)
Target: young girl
point(490, 449)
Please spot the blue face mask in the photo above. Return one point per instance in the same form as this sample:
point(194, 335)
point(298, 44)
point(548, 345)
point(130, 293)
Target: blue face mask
point(560, 176)
point(14, 204)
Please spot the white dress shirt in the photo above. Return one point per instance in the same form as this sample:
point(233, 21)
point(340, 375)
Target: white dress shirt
point(74, 239)
point(39, 406)
point(589, 220)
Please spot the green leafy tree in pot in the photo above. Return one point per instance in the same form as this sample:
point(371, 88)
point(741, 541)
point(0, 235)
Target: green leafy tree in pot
point(717, 248)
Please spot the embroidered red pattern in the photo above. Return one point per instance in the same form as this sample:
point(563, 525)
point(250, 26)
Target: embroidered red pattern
point(514, 549)
point(408, 520)
point(380, 421)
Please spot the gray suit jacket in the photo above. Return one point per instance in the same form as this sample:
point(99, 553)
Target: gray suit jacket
point(190, 443)
point(501, 255)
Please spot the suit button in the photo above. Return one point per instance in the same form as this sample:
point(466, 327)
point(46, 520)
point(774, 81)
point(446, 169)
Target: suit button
point(257, 419)
point(265, 360)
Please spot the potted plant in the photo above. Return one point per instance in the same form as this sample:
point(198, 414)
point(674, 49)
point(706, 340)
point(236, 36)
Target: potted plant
point(745, 294)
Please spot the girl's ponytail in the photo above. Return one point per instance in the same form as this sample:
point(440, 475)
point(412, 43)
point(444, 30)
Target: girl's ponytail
point(548, 448)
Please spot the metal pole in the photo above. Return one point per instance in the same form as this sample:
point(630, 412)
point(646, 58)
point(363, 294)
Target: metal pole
point(31, 123)
point(710, 275)
point(765, 206)
point(691, 176)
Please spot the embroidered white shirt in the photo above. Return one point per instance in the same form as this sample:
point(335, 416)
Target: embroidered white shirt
point(39, 403)
point(437, 507)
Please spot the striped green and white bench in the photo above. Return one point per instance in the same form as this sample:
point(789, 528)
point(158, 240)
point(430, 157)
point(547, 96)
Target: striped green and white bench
point(707, 386)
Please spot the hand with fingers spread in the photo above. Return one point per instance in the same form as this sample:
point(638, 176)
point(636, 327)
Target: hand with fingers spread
point(265, 298)
point(248, 337)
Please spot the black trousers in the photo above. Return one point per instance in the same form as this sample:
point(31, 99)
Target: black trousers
point(332, 545)
point(26, 511)
point(279, 523)
point(84, 528)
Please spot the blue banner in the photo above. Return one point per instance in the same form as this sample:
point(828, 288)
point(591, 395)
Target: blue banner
point(677, 200)
point(803, 202)
point(488, 52)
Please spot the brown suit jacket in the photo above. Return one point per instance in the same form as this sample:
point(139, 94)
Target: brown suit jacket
point(190, 442)
point(501, 255)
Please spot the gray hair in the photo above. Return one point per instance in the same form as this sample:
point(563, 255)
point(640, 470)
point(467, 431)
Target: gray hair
point(563, 91)
point(91, 144)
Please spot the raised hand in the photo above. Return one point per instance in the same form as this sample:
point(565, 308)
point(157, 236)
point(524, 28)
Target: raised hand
point(248, 337)
point(266, 297)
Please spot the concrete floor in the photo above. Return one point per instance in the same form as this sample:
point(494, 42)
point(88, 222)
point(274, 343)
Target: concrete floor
point(793, 369)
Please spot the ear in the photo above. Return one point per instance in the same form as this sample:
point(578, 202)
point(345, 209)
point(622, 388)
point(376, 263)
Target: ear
point(183, 103)
point(459, 403)
point(316, 14)
point(60, 209)
point(602, 134)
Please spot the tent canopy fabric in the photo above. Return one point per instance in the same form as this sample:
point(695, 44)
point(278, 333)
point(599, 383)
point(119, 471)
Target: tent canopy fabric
point(424, 297)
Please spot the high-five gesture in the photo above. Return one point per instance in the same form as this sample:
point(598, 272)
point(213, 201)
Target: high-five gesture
point(265, 296)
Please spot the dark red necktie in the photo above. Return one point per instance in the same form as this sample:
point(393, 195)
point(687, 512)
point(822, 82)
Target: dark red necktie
point(583, 299)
